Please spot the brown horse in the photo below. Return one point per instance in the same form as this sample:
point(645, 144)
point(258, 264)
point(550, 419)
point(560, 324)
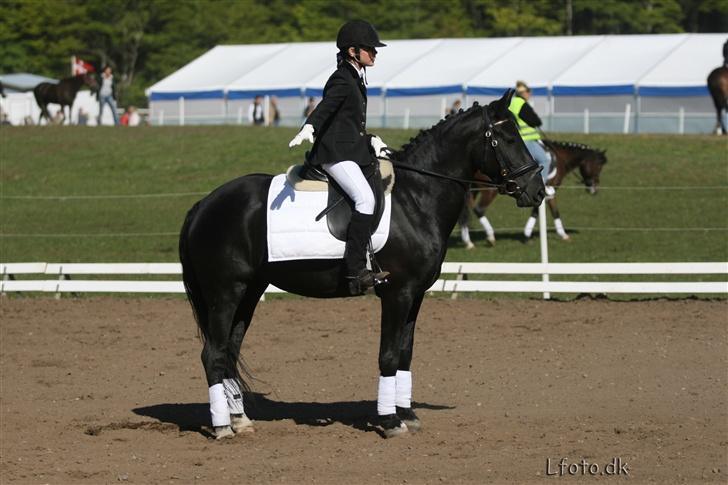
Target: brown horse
point(63, 93)
point(718, 87)
point(568, 157)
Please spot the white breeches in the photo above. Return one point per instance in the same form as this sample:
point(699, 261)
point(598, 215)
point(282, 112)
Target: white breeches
point(350, 177)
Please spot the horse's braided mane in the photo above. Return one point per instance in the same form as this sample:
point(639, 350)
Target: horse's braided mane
point(424, 133)
point(578, 146)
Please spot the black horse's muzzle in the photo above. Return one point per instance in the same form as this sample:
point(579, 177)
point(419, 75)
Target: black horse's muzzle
point(526, 187)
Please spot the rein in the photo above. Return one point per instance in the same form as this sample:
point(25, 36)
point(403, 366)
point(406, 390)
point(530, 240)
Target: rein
point(508, 186)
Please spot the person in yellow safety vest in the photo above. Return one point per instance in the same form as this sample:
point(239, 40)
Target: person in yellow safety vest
point(528, 123)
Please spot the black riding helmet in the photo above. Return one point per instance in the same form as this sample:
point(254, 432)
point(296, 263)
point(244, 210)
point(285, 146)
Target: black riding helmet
point(358, 33)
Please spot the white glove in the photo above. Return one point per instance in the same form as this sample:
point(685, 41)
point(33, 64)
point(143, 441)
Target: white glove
point(380, 148)
point(306, 133)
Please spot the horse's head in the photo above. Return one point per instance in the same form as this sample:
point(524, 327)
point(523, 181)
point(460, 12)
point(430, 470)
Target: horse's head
point(90, 80)
point(507, 160)
point(591, 167)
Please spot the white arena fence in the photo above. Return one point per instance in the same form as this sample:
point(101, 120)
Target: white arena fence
point(60, 278)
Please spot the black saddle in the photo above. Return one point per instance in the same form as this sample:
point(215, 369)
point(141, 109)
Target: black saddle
point(340, 207)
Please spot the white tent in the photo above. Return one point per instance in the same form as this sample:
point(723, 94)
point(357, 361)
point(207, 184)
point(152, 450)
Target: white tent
point(595, 83)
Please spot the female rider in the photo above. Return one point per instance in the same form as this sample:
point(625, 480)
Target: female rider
point(342, 146)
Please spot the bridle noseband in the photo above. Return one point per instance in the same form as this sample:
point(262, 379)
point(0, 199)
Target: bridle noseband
point(508, 184)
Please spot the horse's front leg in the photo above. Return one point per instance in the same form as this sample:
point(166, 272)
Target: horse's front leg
point(403, 391)
point(396, 307)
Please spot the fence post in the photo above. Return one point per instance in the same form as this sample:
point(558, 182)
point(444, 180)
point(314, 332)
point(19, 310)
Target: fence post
point(681, 121)
point(544, 246)
point(240, 115)
point(58, 286)
point(627, 110)
point(586, 121)
point(181, 111)
point(406, 123)
point(161, 117)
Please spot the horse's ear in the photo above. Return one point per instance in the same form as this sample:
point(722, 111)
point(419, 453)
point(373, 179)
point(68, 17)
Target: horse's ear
point(505, 102)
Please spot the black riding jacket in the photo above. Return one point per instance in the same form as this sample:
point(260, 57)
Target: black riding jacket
point(339, 120)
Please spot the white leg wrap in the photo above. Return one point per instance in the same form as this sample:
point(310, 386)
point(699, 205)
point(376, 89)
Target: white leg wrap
point(530, 224)
point(404, 389)
point(488, 228)
point(465, 234)
point(234, 396)
point(386, 397)
point(219, 406)
point(559, 228)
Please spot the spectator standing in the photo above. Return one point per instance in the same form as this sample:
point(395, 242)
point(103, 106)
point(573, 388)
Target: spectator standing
point(255, 112)
point(309, 107)
point(275, 113)
point(455, 107)
point(107, 94)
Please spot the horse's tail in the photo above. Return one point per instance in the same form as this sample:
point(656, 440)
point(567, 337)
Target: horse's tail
point(200, 311)
point(192, 286)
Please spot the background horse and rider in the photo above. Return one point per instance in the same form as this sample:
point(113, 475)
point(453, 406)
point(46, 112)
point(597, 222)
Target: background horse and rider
point(718, 87)
point(224, 253)
point(62, 93)
point(567, 158)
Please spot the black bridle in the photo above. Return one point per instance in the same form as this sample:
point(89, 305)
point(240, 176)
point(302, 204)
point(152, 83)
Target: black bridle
point(508, 184)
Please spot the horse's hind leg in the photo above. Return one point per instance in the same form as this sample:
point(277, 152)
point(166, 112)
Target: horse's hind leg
point(558, 225)
point(233, 384)
point(217, 358)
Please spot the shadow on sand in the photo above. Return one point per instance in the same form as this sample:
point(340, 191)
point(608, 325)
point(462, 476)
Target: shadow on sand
point(195, 417)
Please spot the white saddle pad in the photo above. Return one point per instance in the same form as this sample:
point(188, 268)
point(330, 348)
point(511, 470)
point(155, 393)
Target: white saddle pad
point(294, 233)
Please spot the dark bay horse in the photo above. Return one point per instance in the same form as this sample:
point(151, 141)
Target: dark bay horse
point(223, 251)
point(568, 156)
point(63, 93)
point(718, 87)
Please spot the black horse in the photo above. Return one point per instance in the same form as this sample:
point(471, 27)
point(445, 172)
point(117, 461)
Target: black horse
point(63, 93)
point(224, 253)
point(718, 87)
point(567, 157)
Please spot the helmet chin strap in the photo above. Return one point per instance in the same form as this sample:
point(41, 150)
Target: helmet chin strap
point(357, 58)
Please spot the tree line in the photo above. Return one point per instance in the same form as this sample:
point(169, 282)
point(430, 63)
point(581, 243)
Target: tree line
point(146, 40)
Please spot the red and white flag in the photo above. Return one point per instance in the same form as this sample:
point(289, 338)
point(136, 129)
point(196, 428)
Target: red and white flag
point(79, 66)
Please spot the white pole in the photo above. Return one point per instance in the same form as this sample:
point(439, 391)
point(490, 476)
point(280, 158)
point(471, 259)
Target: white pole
point(681, 121)
point(181, 111)
point(240, 115)
point(586, 121)
point(544, 245)
point(627, 114)
point(161, 117)
point(406, 119)
point(443, 107)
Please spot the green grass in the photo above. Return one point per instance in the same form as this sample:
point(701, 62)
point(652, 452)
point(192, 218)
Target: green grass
point(81, 161)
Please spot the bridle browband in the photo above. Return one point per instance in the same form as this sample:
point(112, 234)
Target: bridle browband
point(508, 184)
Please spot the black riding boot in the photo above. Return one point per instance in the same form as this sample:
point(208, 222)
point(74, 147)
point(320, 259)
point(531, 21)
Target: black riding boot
point(355, 255)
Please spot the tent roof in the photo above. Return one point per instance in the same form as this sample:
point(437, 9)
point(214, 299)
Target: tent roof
point(23, 81)
point(535, 60)
point(685, 69)
point(656, 65)
point(614, 65)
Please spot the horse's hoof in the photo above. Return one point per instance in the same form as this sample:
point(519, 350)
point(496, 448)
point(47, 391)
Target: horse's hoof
point(409, 418)
point(490, 241)
point(469, 245)
point(392, 426)
point(240, 423)
point(222, 432)
point(566, 238)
